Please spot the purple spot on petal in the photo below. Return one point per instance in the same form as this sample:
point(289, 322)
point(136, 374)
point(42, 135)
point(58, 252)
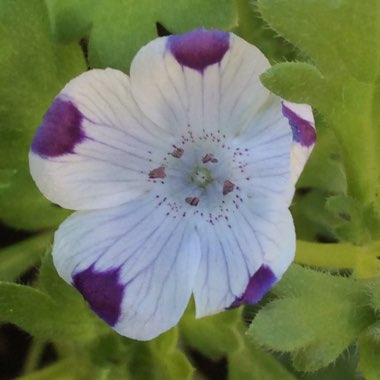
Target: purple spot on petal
point(259, 284)
point(303, 131)
point(199, 48)
point(60, 130)
point(103, 292)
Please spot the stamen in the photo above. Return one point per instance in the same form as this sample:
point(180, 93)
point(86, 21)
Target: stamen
point(228, 186)
point(157, 173)
point(192, 201)
point(209, 157)
point(177, 152)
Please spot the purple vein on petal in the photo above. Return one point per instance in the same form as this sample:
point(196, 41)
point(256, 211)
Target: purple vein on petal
point(103, 292)
point(60, 131)
point(199, 48)
point(303, 130)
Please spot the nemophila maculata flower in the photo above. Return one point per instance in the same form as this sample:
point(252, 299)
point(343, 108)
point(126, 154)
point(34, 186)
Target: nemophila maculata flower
point(181, 174)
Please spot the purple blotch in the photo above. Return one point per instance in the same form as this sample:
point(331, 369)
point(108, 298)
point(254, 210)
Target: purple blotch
point(60, 130)
point(303, 131)
point(259, 284)
point(103, 292)
point(199, 48)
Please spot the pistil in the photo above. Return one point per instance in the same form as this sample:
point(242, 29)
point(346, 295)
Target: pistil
point(201, 176)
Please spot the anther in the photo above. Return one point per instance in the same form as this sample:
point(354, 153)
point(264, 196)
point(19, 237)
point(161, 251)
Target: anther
point(228, 186)
point(209, 157)
point(157, 173)
point(177, 152)
point(192, 201)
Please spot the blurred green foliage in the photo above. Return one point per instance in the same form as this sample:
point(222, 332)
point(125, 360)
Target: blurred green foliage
point(117, 30)
point(33, 69)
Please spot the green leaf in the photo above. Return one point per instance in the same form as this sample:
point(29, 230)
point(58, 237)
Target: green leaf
point(312, 221)
point(52, 284)
point(71, 19)
point(213, 336)
point(324, 170)
point(120, 30)
point(253, 28)
point(170, 362)
point(373, 286)
point(342, 84)
point(33, 69)
point(18, 258)
point(54, 311)
point(324, 173)
point(350, 219)
point(69, 301)
point(316, 319)
point(309, 26)
point(369, 353)
point(38, 314)
point(158, 359)
point(334, 217)
point(253, 363)
point(28, 308)
point(308, 88)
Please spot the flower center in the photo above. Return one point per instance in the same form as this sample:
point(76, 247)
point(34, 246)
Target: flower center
point(201, 176)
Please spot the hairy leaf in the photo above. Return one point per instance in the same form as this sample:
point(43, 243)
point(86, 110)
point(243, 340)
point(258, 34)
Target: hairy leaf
point(317, 317)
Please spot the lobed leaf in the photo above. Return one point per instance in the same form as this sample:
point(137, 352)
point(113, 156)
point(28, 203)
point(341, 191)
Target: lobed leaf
point(316, 319)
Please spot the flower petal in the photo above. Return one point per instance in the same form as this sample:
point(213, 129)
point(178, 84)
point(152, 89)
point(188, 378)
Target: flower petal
point(133, 264)
point(241, 263)
point(301, 120)
point(202, 81)
point(265, 155)
point(94, 146)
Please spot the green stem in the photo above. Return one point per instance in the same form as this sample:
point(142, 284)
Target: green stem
point(68, 369)
point(356, 130)
point(362, 260)
point(327, 255)
point(18, 257)
point(62, 370)
point(34, 355)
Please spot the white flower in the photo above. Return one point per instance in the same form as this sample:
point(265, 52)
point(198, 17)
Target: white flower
point(183, 174)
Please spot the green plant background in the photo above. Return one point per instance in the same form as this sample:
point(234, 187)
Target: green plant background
point(322, 320)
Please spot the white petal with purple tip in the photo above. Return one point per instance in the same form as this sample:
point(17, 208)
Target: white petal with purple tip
point(95, 148)
point(301, 120)
point(201, 81)
point(258, 235)
point(133, 264)
point(264, 154)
